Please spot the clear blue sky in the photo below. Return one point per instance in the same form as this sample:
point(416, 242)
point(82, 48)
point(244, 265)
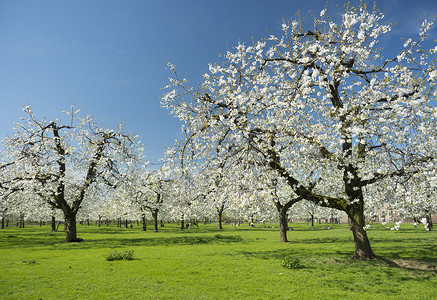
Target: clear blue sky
point(109, 58)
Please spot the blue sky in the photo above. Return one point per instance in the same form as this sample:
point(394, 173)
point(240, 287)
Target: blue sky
point(109, 58)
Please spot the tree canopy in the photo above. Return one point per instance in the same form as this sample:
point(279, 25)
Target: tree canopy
point(322, 104)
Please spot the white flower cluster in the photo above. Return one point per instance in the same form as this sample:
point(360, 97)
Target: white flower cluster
point(397, 226)
point(424, 221)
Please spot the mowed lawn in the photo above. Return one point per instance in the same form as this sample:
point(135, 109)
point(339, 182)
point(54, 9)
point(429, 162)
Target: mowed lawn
point(205, 263)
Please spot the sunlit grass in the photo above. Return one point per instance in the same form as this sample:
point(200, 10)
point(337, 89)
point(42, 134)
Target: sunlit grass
point(204, 263)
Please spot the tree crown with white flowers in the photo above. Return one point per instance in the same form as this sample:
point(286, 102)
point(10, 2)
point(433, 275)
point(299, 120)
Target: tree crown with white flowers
point(62, 161)
point(327, 97)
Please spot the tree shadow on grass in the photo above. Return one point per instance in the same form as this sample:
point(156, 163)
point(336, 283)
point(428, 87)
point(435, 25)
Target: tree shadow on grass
point(341, 261)
point(323, 240)
point(426, 254)
point(411, 269)
point(420, 251)
point(413, 264)
point(55, 243)
point(34, 240)
point(411, 248)
point(165, 241)
point(282, 253)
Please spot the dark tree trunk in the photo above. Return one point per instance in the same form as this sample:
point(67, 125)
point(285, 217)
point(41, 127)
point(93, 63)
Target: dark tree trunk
point(283, 224)
point(219, 219)
point(143, 223)
point(220, 216)
point(252, 223)
point(182, 222)
point(71, 233)
point(312, 220)
point(429, 219)
point(283, 216)
point(53, 223)
point(155, 219)
point(3, 222)
point(126, 223)
point(162, 223)
point(88, 222)
point(363, 250)
point(21, 220)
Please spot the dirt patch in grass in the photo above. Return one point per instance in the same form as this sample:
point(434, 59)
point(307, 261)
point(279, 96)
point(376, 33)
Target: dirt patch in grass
point(414, 264)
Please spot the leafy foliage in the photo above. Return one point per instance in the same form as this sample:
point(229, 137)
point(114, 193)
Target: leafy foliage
point(115, 255)
point(292, 263)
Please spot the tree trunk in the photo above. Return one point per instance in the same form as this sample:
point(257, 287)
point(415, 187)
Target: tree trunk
point(182, 222)
point(283, 224)
point(3, 222)
point(363, 251)
point(21, 220)
point(220, 211)
point(252, 221)
point(71, 233)
point(429, 218)
point(219, 219)
point(312, 220)
point(53, 223)
point(155, 219)
point(143, 223)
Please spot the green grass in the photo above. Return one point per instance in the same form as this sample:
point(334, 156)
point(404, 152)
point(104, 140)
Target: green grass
point(204, 263)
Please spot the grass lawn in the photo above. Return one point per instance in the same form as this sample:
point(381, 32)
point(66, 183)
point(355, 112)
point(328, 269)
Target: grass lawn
point(205, 263)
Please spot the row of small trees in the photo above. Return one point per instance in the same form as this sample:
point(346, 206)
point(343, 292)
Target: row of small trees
point(164, 195)
point(141, 194)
